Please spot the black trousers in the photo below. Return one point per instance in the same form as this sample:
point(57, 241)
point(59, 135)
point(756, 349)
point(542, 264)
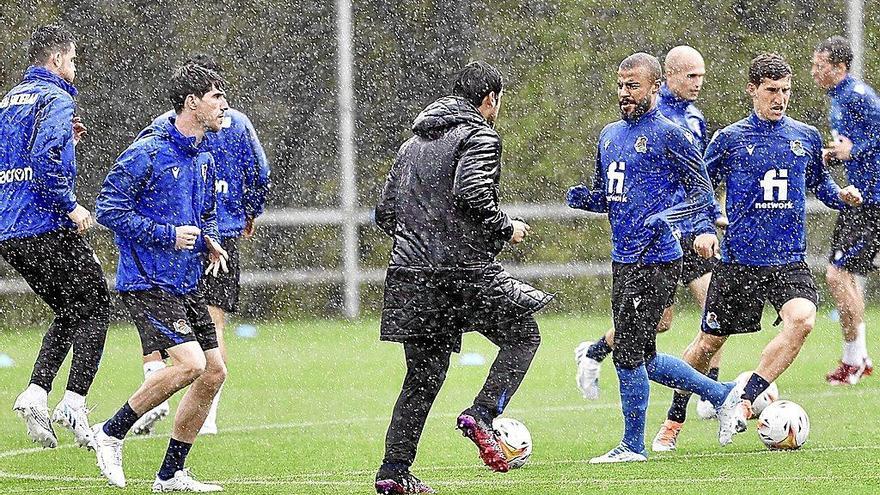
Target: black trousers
point(63, 270)
point(427, 363)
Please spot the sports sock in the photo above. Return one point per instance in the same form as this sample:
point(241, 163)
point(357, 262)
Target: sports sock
point(713, 373)
point(121, 422)
point(212, 412)
point(675, 373)
point(754, 387)
point(151, 367)
point(175, 457)
point(861, 340)
point(678, 409)
point(74, 399)
point(600, 350)
point(37, 393)
point(851, 354)
point(634, 391)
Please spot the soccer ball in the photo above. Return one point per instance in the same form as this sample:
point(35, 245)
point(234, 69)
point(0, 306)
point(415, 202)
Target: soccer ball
point(514, 439)
point(783, 425)
point(766, 398)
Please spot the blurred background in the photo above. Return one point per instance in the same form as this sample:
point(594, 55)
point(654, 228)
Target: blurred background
point(289, 65)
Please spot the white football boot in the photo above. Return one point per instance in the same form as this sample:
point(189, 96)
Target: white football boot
point(183, 481)
point(32, 408)
point(587, 372)
point(705, 410)
point(75, 420)
point(145, 424)
point(621, 453)
point(733, 416)
point(108, 450)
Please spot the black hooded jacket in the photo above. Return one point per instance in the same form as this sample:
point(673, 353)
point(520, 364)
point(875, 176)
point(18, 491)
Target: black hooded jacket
point(440, 201)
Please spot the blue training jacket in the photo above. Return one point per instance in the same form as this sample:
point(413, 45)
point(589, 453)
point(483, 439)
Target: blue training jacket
point(162, 181)
point(684, 113)
point(242, 171)
point(768, 167)
point(37, 162)
point(855, 113)
point(649, 177)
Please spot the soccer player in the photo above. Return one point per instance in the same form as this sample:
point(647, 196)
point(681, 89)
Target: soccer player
point(685, 71)
point(649, 176)
point(41, 232)
point(855, 123)
point(159, 200)
point(440, 205)
point(241, 187)
point(768, 161)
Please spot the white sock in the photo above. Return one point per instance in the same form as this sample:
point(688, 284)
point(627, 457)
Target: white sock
point(151, 367)
point(212, 413)
point(861, 341)
point(38, 393)
point(851, 353)
point(73, 399)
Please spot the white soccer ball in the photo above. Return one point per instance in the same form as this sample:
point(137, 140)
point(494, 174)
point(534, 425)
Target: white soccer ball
point(514, 439)
point(783, 425)
point(766, 398)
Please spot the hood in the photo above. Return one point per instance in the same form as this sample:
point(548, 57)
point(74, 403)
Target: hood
point(444, 113)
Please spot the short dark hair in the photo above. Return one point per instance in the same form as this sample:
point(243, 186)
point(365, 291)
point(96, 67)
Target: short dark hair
point(643, 60)
point(192, 79)
point(205, 61)
point(838, 50)
point(769, 66)
point(47, 39)
point(475, 81)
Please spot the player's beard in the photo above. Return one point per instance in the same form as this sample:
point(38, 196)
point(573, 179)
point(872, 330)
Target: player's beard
point(642, 107)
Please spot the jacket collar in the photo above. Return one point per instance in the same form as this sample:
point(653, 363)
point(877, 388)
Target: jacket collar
point(185, 144)
point(671, 99)
point(766, 125)
point(843, 86)
point(37, 73)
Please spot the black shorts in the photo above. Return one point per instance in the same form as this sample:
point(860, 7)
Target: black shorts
point(222, 291)
point(856, 240)
point(639, 294)
point(735, 301)
point(165, 320)
point(693, 265)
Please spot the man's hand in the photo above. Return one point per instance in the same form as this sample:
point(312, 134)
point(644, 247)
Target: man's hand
point(520, 231)
point(706, 245)
point(851, 196)
point(79, 130)
point(82, 218)
point(186, 236)
point(841, 149)
point(249, 228)
point(218, 258)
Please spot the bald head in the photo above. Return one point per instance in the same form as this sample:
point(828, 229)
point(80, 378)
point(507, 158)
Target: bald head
point(685, 71)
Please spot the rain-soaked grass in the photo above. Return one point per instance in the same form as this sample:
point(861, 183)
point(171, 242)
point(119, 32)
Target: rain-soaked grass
point(306, 406)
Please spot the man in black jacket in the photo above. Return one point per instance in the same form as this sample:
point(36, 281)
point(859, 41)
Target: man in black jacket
point(440, 205)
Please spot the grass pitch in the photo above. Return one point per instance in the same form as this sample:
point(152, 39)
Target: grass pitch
point(306, 406)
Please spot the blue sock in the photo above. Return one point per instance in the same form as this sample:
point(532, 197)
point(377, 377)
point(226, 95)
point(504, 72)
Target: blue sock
point(754, 387)
point(600, 350)
point(121, 422)
point(175, 457)
point(634, 390)
point(675, 373)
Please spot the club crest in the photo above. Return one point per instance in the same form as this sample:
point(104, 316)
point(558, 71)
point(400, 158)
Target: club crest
point(642, 144)
point(182, 327)
point(797, 147)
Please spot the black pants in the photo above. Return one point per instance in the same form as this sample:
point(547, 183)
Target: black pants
point(63, 270)
point(427, 363)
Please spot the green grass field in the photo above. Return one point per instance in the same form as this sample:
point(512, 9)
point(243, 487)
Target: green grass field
point(306, 406)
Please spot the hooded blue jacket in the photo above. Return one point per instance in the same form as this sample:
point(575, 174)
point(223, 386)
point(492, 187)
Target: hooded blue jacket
point(768, 167)
point(855, 113)
point(242, 171)
point(162, 181)
point(37, 163)
point(649, 177)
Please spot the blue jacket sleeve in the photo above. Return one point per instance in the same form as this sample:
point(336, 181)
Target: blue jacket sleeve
point(819, 180)
point(116, 203)
point(698, 204)
point(257, 173)
point(867, 107)
point(52, 156)
point(582, 197)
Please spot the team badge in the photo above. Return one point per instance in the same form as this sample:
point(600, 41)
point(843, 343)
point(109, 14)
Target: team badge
point(182, 327)
point(797, 147)
point(712, 321)
point(642, 144)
